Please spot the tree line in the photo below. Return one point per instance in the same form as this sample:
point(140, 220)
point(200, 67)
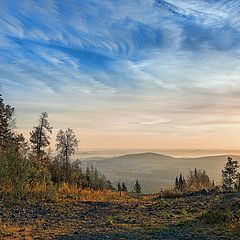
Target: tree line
point(25, 165)
point(198, 179)
point(137, 188)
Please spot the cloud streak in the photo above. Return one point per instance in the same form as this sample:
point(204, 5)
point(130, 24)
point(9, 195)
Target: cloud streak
point(149, 66)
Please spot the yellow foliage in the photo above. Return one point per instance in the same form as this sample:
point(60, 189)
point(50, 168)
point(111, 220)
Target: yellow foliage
point(90, 194)
point(169, 192)
point(39, 187)
point(8, 232)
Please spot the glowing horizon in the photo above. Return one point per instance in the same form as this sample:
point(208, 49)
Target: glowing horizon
point(125, 74)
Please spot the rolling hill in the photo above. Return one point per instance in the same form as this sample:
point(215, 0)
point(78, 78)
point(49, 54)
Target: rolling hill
point(155, 170)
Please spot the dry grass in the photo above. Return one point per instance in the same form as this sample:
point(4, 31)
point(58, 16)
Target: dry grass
point(8, 232)
point(92, 195)
point(68, 192)
point(169, 192)
point(37, 187)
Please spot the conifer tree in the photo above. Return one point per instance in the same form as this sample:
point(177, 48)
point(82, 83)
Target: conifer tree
point(184, 183)
point(229, 175)
point(87, 172)
point(119, 188)
point(88, 177)
point(6, 124)
point(39, 137)
point(181, 183)
point(96, 180)
point(238, 182)
point(213, 183)
point(196, 178)
point(177, 183)
point(108, 185)
point(137, 187)
point(124, 187)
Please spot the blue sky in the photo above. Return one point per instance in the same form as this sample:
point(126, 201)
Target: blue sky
point(138, 73)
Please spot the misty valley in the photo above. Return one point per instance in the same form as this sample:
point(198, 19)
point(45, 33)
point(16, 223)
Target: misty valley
point(153, 170)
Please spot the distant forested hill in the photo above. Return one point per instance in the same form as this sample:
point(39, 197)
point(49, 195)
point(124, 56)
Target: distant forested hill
point(155, 170)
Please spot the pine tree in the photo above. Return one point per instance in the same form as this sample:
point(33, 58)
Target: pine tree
point(229, 175)
point(96, 181)
point(124, 188)
point(196, 178)
point(6, 124)
point(108, 185)
point(88, 180)
point(177, 184)
point(180, 182)
point(119, 188)
point(238, 182)
point(87, 172)
point(184, 183)
point(39, 137)
point(137, 188)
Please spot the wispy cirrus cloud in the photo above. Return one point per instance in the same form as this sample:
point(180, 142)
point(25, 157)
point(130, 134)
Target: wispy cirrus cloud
point(139, 61)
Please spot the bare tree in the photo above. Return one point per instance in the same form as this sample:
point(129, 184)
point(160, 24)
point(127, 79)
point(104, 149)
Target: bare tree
point(66, 146)
point(198, 179)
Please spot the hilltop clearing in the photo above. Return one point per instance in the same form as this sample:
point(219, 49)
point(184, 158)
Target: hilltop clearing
point(145, 217)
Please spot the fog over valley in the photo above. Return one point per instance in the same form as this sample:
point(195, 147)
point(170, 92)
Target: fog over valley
point(153, 170)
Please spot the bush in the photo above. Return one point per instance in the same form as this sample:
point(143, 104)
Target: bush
point(46, 193)
point(218, 216)
point(170, 193)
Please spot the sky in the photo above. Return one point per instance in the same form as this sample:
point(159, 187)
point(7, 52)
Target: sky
point(125, 73)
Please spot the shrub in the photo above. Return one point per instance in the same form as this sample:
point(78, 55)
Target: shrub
point(43, 192)
point(218, 216)
point(170, 193)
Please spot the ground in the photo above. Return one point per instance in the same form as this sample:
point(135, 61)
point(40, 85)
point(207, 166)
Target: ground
point(192, 217)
